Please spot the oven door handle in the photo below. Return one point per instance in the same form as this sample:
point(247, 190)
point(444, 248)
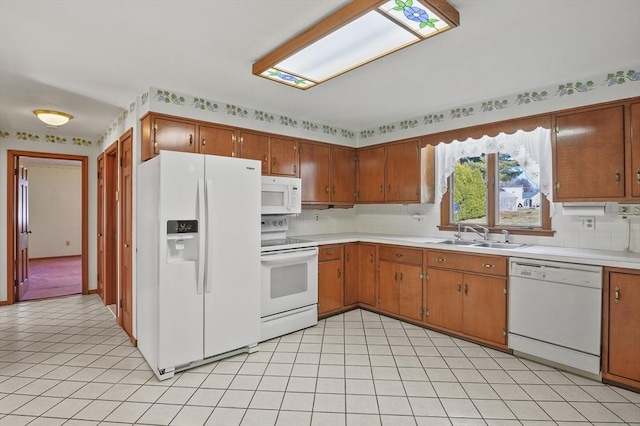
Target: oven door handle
point(289, 256)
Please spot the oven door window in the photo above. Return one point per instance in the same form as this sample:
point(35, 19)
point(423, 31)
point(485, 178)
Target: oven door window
point(288, 280)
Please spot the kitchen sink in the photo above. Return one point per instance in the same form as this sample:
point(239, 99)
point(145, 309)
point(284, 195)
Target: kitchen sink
point(458, 242)
point(487, 244)
point(496, 245)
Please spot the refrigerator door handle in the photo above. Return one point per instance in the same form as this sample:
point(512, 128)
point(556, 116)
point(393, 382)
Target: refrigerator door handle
point(209, 236)
point(201, 238)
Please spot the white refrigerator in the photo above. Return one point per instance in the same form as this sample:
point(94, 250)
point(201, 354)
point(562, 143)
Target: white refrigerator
point(198, 259)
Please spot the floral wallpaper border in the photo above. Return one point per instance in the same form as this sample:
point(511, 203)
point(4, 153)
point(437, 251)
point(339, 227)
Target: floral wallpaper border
point(614, 78)
point(572, 88)
point(204, 104)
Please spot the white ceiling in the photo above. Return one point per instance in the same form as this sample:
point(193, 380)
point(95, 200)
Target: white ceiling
point(92, 58)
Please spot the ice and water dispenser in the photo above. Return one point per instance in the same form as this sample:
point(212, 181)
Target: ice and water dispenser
point(182, 241)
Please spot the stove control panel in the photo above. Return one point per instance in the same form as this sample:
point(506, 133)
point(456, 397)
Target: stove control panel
point(272, 223)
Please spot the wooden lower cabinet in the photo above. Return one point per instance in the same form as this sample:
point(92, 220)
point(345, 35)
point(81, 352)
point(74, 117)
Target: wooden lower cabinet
point(351, 274)
point(467, 294)
point(330, 278)
point(400, 283)
point(367, 274)
point(621, 327)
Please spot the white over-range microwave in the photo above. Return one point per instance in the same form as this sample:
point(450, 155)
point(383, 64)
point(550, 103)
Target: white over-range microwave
point(281, 195)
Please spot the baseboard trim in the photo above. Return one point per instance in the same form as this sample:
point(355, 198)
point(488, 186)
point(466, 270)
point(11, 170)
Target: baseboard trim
point(55, 257)
point(93, 291)
point(4, 302)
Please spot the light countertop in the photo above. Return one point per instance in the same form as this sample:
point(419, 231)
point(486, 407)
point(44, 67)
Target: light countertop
point(620, 259)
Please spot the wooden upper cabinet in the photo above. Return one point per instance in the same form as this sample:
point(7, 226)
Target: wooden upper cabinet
point(284, 156)
point(255, 146)
point(343, 175)
point(370, 172)
point(403, 172)
point(166, 133)
point(589, 155)
point(315, 172)
point(216, 140)
point(635, 150)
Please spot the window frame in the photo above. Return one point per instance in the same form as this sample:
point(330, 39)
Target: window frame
point(446, 223)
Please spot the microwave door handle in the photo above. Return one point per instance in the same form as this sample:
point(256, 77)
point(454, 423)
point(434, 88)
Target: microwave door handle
point(201, 238)
point(288, 257)
point(210, 219)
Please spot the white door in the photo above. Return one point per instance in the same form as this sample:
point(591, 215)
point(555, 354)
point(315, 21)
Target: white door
point(180, 310)
point(232, 285)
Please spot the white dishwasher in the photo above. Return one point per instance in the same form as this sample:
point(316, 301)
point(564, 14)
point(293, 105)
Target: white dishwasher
point(555, 312)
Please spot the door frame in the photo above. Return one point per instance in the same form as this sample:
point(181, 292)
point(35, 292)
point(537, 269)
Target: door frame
point(112, 214)
point(12, 157)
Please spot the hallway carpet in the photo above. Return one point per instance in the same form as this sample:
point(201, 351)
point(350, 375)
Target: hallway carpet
point(53, 277)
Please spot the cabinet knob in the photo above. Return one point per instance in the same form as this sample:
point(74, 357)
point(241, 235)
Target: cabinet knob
point(488, 265)
point(399, 255)
point(440, 260)
point(617, 177)
point(330, 252)
point(127, 245)
point(333, 190)
point(273, 161)
point(327, 189)
point(204, 141)
point(265, 159)
point(617, 295)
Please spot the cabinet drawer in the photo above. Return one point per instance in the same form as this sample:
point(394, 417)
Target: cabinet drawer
point(399, 254)
point(492, 265)
point(330, 252)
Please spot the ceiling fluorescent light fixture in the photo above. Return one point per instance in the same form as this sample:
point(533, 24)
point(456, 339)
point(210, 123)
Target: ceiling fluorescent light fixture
point(52, 118)
point(360, 32)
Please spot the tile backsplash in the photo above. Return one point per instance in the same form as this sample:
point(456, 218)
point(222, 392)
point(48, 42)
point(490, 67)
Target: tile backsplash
point(609, 233)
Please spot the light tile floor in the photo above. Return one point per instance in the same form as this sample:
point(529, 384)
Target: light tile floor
point(65, 361)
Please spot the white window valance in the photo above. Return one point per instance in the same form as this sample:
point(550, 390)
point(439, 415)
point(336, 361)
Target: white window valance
point(532, 150)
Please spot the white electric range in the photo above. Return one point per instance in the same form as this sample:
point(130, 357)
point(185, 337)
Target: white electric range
point(289, 280)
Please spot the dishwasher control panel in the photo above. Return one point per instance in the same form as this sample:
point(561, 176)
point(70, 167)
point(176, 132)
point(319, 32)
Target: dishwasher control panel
point(559, 272)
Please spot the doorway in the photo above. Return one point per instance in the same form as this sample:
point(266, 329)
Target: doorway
point(19, 230)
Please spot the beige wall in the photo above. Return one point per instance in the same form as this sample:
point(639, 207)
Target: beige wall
point(55, 210)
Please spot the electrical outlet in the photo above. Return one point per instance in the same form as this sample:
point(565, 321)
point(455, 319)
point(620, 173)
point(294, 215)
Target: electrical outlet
point(68, 243)
point(317, 218)
point(589, 223)
point(630, 209)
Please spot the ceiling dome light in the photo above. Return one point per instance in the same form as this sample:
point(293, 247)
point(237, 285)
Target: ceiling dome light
point(52, 118)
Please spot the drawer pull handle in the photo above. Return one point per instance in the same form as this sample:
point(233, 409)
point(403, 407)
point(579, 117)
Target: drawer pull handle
point(440, 260)
point(395, 277)
point(617, 177)
point(339, 273)
point(371, 258)
point(380, 188)
point(327, 189)
point(399, 254)
point(488, 265)
point(191, 139)
point(466, 288)
point(333, 190)
point(401, 276)
point(459, 288)
point(617, 295)
point(204, 141)
point(330, 252)
point(638, 175)
point(274, 161)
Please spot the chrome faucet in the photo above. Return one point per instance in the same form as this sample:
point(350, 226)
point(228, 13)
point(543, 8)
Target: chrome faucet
point(484, 234)
point(458, 235)
point(506, 236)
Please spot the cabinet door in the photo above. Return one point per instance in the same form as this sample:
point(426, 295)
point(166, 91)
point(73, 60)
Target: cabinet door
point(330, 285)
point(403, 172)
point(284, 156)
point(351, 274)
point(172, 135)
point(217, 141)
point(343, 175)
point(410, 291)
point(370, 171)
point(314, 171)
point(635, 150)
point(367, 274)
point(388, 287)
point(255, 147)
point(444, 299)
point(589, 155)
point(484, 308)
point(624, 325)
